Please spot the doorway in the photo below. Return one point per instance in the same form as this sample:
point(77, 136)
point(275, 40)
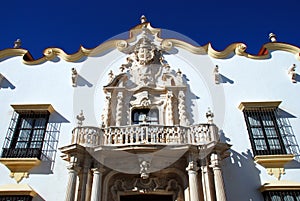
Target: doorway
point(147, 197)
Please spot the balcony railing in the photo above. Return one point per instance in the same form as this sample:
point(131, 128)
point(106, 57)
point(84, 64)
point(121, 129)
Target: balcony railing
point(21, 153)
point(199, 134)
point(86, 136)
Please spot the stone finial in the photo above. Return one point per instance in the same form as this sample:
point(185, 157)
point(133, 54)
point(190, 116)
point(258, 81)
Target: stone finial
point(209, 116)
point(17, 43)
point(292, 73)
point(80, 119)
point(272, 37)
point(143, 19)
point(74, 77)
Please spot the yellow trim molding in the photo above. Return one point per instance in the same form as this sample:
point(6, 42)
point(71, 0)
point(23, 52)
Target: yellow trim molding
point(33, 107)
point(252, 105)
point(274, 163)
point(234, 48)
point(280, 186)
point(19, 167)
point(19, 189)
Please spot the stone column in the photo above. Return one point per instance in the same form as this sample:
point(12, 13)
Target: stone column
point(97, 184)
point(207, 186)
point(83, 181)
point(219, 184)
point(71, 188)
point(88, 186)
point(193, 181)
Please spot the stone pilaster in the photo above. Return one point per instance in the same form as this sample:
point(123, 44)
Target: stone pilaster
point(219, 184)
point(192, 169)
point(97, 184)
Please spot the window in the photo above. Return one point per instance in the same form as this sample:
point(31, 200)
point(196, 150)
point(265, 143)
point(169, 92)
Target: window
point(145, 115)
point(264, 132)
point(33, 133)
point(262, 124)
point(281, 195)
point(28, 132)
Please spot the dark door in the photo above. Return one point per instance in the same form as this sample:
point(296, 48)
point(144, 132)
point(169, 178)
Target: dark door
point(146, 198)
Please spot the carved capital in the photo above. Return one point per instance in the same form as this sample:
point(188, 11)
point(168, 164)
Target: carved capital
point(215, 160)
point(192, 167)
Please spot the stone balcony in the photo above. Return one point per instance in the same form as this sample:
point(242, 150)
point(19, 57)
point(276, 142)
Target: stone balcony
point(200, 134)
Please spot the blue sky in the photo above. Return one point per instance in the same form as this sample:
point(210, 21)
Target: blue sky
point(69, 24)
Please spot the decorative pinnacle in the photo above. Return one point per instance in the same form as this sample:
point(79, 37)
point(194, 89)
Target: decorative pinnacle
point(17, 43)
point(272, 37)
point(143, 19)
point(80, 119)
point(209, 116)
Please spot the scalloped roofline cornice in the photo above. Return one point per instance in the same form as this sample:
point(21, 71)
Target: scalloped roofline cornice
point(234, 48)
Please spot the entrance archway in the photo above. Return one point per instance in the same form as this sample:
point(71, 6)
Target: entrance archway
point(146, 197)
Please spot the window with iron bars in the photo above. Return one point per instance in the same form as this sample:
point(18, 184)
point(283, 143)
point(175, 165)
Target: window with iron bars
point(31, 135)
point(264, 132)
point(281, 195)
point(15, 198)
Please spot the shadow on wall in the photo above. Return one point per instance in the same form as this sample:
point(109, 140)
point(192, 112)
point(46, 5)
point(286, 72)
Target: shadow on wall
point(50, 144)
point(241, 177)
point(224, 79)
point(297, 78)
point(5, 83)
point(288, 135)
point(81, 81)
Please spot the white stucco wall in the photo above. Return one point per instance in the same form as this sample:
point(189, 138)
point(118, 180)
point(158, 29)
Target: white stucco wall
point(248, 80)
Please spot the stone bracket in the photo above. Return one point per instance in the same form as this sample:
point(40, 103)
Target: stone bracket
point(20, 167)
point(274, 163)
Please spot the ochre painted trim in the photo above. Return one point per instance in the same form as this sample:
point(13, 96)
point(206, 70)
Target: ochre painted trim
point(273, 160)
point(274, 164)
point(17, 189)
point(19, 167)
point(252, 105)
point(33, 107)
point(280, 186)
point(235, 48)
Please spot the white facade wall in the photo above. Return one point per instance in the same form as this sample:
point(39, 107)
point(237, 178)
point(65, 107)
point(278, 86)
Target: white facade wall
point(247, 80)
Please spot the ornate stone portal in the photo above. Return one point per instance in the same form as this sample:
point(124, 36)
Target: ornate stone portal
point(145, 111)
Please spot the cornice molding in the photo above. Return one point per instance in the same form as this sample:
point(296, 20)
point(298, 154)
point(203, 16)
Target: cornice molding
point(233, 49)
point(33, 107)
point(280, 186)
point(262, 104)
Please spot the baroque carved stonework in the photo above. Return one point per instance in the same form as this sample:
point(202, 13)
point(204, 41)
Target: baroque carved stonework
point(151, 185)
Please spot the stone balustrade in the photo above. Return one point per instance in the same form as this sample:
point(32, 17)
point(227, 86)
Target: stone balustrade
point(156, 134)
point(86, 136)
point(199, 134)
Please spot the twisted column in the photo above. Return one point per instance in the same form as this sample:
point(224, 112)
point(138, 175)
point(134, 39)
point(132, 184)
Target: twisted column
point(169, 109)
point(119, 109)
point(183, 120)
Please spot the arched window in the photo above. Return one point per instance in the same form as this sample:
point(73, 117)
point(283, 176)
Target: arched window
point(144, 115)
